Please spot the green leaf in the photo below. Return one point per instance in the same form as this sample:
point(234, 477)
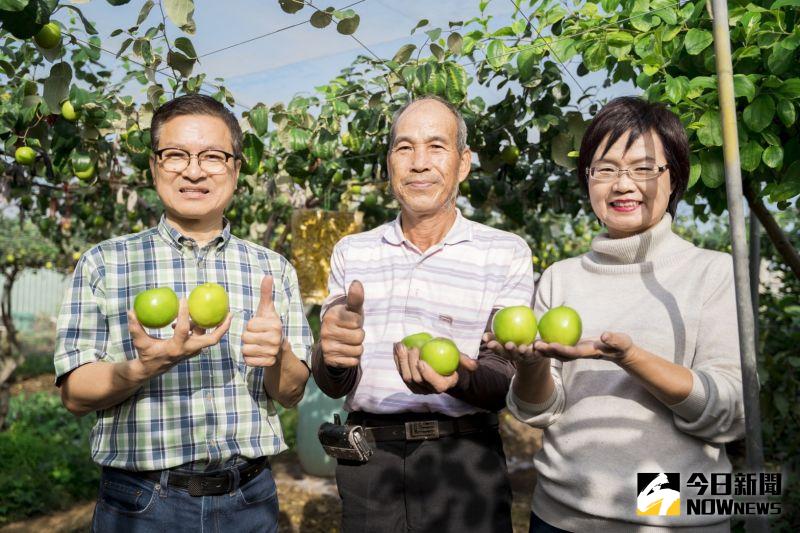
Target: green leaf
point(771, 138)
point(619, 43)
point(404, 53)
point(144, 12)
point(790, 88)
point(676, 88)
point(564, 49)
point(118, 2)
point(759, 114)
point(348, 26)
point(434, 34)
point(437, 51)
point(750, 155)
point(713, 173)
point(789, 186)
point(87, 25)
point(784, 3)
point(457, 82)
point(291, 6)
point(252, 152)
point(594, 57)
point(560, 148)
point(695, 169)
point(27, 22)
point(697, 40)
point(185, 45)
point(181, 63)
point(259, 119)
point(780, 60)
point(13, 5)
point(420, 24)
point(773, 156)
point(180, 12)
point(56, 86)
point(698, 85)
point(527, 61)
point(710, 133)
point(455, 42)
point(321, 19)
point(786, 112)
point(742, 86)
point(496, 54)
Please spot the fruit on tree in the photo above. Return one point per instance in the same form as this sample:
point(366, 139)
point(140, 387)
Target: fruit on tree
point(25, 155)
point(49, 36)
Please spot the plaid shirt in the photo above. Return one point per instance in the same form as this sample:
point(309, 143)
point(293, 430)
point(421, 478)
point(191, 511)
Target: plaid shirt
point(208, 409)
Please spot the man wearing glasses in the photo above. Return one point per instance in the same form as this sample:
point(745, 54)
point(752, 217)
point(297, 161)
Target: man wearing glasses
point(185, 417)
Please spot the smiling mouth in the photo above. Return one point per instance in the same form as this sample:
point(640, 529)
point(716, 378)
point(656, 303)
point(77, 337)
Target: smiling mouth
point(625, 205)
point(194, 191)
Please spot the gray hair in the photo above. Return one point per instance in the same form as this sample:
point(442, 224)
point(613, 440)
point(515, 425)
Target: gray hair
point(461, 126)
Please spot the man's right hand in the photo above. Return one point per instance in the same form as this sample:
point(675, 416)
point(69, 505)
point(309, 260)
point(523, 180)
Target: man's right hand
point(156, 356)
point(342, 331)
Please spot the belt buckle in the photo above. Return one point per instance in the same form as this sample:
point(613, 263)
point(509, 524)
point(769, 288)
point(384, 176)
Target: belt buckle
point(422, 430)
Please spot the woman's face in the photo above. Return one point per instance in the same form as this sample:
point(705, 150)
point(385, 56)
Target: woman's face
point(627, 206)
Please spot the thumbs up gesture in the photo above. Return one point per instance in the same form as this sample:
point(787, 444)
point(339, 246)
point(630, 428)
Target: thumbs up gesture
point(262, 340)
point(342, 331)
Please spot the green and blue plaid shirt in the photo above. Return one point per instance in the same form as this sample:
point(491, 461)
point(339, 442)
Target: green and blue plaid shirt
point(208, 409)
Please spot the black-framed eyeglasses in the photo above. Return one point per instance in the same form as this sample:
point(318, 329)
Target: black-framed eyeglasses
point(177, 160)
point(607, 173)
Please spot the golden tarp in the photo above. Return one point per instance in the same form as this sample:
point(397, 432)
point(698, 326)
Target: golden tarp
point(314, 234)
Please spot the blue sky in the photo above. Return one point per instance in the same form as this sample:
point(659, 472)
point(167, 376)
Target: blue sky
point(276, 67)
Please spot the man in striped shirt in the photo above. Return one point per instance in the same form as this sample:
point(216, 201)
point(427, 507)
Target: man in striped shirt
point(438, 461)
point(185, 417)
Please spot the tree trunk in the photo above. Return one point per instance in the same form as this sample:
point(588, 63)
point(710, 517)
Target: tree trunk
point(5, 312)
point(776, 235)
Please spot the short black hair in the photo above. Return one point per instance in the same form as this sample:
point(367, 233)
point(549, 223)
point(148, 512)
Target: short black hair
point(637, 116)
point(196, 104)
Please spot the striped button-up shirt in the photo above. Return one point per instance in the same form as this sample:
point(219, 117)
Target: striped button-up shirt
point(449, 291)
point(206, 410)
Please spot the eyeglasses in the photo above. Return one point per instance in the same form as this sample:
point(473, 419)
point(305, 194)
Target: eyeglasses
point(177, 160)
point(609, 173)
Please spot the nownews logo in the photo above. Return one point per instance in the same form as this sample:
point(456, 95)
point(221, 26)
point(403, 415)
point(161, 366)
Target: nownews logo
point(659, 494)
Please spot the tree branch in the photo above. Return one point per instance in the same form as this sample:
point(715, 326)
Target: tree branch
point(776, 235)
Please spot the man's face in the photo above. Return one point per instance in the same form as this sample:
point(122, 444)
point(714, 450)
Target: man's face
point(195, 193)
point(425, 166)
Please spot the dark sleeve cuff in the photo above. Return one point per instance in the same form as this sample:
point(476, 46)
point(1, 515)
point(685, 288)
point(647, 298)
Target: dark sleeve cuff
point(334, 382)
point(487, 386)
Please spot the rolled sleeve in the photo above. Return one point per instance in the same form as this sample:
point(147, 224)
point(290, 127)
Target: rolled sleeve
point(82, 328)
point(539, 415)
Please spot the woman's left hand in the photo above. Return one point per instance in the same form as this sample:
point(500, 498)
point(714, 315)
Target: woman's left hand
point(615, 347)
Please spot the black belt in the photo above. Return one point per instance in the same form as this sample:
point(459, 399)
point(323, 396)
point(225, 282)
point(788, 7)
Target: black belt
point(212, 484)
point(381, 427)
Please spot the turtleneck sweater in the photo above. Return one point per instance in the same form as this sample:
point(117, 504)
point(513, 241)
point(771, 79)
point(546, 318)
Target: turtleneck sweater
point(602, 426)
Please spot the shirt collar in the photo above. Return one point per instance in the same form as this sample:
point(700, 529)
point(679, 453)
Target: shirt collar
point(178, 240)
point(460, 231)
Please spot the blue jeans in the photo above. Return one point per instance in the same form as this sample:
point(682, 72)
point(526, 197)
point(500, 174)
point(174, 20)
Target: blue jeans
point(128, 503)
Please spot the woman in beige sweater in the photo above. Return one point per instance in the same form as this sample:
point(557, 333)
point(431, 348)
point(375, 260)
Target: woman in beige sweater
point(654, 386)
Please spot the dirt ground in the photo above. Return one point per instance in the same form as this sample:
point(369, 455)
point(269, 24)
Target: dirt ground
point(310, 504)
